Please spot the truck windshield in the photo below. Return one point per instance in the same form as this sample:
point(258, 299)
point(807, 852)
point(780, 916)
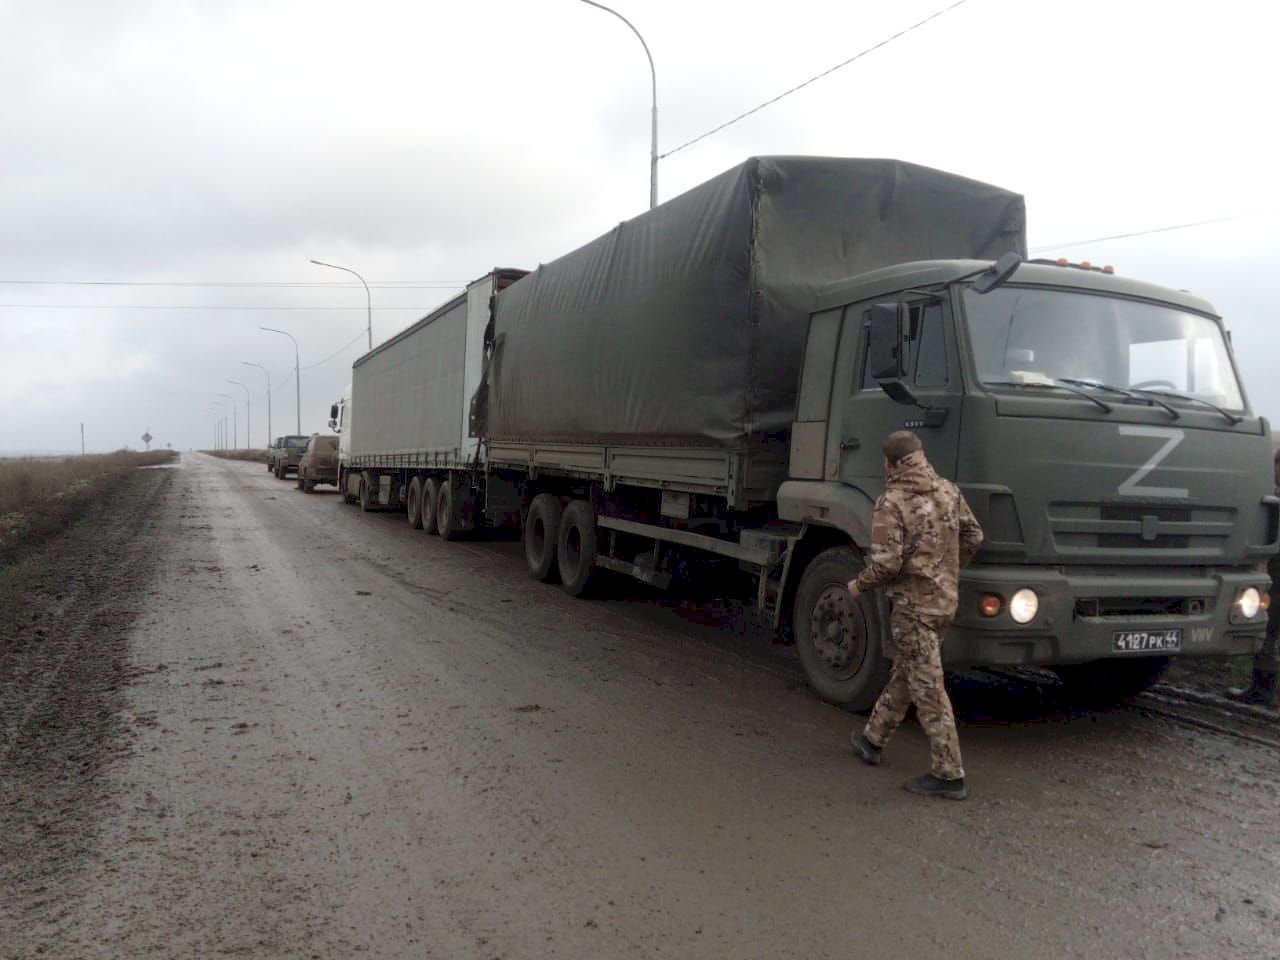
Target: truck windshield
point(1034, 336)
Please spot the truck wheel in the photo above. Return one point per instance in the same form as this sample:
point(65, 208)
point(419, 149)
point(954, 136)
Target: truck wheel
point(541, 531)
point(430, 497)
point(269, 467)
point(576, 548)
point(413, 503)
point(448, 512)
point(366, 494)
point(839, 640)
point(1105, 683)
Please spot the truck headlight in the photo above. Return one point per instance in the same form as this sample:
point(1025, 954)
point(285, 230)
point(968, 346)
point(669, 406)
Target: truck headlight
point(1249, 602)
point(1024, 605)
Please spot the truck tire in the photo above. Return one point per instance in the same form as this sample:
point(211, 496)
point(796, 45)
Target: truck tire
point(448, 510)
point(541, 533)
point(366, 494)
point(430, 498)
point(576, 548)
point(840, 641)
point(344, 481)
point(1105, 683)
point(269, 467)
point(413, 503)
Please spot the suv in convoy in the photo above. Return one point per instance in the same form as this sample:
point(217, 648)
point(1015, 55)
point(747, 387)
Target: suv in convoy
point(284, 453)
point(319, 463)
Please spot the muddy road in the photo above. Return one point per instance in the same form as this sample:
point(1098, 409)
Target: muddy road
point(262, 724)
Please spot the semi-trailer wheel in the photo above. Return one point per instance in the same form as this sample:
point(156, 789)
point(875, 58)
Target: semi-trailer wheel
point(413, 503)
point(541, 531)
point(839, 640)
point(448, 514)
point(366, 494)
point(576, 548)
point(1105, 683)
point(430, 495)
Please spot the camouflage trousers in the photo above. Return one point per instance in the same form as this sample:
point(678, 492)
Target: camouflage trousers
point(917, 678)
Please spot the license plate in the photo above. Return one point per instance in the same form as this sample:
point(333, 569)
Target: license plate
point(1146, 641)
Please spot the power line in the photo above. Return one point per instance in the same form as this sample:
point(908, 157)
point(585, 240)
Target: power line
point(801, 86)
point(347, 346)
point(153, 306)
point(1141, 233)
point(382, 285)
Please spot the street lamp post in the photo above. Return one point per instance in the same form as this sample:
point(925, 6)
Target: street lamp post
point(248, 414)
point(268, 373)
point(235, 427)
point(222, 409)
point(653, 132)
point(297, 371)
point(368, 299)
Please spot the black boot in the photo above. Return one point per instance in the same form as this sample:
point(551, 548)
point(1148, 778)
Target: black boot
point(867, 751)
point(931, 786)
point(1261, 691)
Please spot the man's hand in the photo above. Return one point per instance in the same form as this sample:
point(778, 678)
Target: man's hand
point(853, 589)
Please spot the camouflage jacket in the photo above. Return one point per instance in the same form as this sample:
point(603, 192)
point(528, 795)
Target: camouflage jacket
point(922, 533)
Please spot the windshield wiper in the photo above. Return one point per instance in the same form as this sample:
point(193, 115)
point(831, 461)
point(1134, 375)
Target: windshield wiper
point(1131, 394)
point(1231, 417)
point(1060, 385)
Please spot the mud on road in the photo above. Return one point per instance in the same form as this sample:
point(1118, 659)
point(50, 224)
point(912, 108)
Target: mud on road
point(259, 723)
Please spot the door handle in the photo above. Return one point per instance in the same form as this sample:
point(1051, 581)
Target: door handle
point(852, 443)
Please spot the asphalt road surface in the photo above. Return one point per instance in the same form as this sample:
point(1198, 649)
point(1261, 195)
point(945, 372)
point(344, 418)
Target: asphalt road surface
point(280, 727)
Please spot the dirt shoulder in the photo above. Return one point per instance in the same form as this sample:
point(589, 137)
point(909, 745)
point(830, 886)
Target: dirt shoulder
point(66, 610)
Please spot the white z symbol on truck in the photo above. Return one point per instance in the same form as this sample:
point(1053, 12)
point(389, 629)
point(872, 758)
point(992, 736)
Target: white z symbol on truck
point(1171, 437)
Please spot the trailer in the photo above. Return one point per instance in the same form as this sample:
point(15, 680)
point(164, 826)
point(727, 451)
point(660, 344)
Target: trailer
point(710, 383)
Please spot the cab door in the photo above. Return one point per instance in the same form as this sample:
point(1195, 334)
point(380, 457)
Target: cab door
point(931, 371)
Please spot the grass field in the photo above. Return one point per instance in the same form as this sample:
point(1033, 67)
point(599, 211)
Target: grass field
point(42, 496)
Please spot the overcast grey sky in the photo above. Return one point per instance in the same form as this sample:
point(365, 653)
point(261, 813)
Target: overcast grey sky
point(169, 168)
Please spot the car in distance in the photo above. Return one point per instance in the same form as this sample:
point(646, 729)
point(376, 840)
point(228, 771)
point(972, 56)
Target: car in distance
point(287, 455)
point(319, 462)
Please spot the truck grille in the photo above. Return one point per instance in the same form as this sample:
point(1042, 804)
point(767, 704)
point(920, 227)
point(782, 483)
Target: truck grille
point(1131, 607)
point(1093, 527)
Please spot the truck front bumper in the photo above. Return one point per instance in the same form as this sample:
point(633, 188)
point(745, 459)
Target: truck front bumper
point(1082, 613)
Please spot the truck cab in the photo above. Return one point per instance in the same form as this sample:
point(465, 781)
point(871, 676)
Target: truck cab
point(1097, 427)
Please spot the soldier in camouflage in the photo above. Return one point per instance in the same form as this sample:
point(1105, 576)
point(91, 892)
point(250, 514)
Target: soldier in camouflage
point(922, 533)
point(1266, 662)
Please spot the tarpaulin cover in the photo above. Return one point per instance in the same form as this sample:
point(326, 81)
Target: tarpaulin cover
point(687, 324)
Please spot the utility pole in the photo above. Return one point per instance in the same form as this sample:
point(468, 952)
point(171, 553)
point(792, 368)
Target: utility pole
point(82, 439)
point(297, 370)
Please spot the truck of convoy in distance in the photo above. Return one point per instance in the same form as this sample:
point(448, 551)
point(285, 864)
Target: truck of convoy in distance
point(710, 384)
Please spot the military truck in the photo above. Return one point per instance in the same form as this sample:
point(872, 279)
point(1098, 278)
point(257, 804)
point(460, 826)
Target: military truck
point(713, 381)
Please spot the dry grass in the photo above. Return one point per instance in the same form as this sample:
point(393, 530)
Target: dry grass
point(41, 496)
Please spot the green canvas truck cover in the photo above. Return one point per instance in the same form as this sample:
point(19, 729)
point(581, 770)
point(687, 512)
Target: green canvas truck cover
point(686, 325)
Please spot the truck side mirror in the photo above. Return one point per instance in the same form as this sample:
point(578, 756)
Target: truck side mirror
point(333, 413)
point(996, 274)
point(884, 345)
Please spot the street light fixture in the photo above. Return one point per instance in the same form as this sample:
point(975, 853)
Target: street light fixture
point(368, 299)
point(297, 370)
point(248, 414)
point(268, 373)
point(653, 133)
point(235, 427)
